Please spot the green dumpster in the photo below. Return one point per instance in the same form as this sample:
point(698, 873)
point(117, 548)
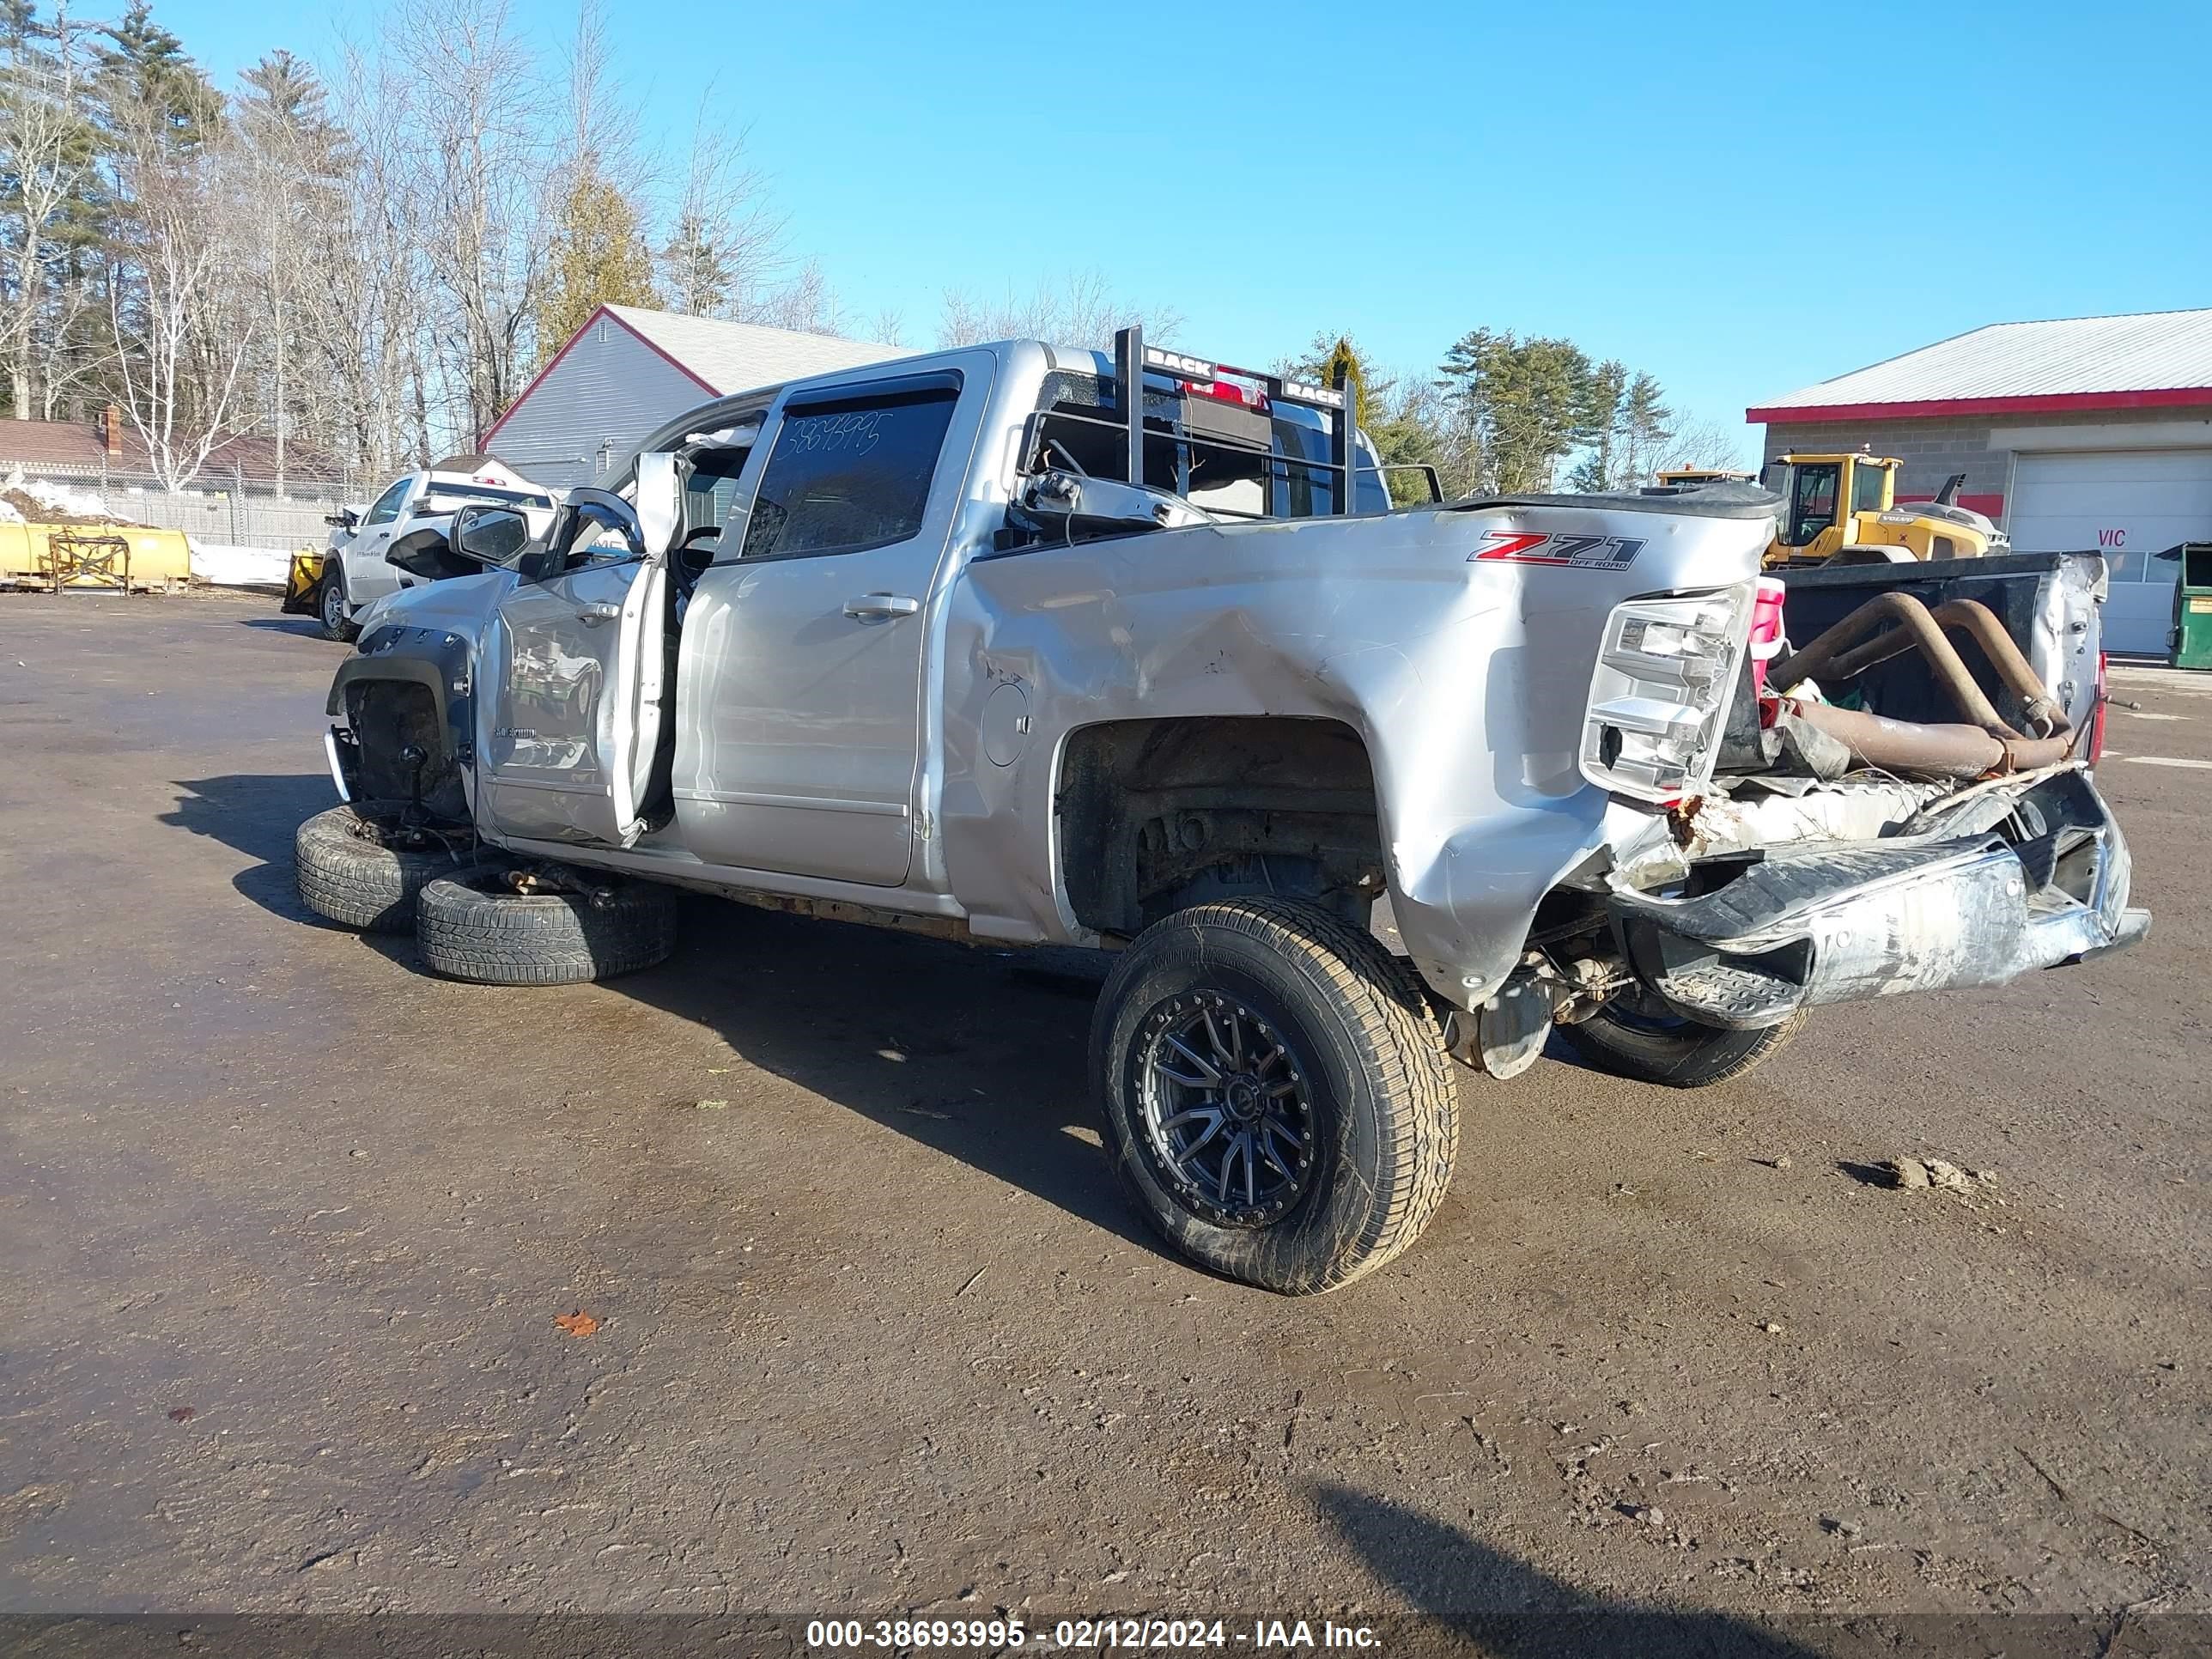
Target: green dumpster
point(2192, 604)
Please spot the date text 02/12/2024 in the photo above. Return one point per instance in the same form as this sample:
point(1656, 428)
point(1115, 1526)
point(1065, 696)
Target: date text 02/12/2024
point(1086, 1635)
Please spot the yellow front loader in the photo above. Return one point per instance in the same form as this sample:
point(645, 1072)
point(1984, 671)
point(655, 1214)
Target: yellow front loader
point(1843, 508)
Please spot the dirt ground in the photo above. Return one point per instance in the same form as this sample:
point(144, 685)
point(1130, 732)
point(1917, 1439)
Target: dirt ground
point(287, 1226)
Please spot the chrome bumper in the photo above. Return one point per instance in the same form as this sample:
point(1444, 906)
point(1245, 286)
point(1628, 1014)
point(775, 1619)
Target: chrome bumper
point(2029, 874)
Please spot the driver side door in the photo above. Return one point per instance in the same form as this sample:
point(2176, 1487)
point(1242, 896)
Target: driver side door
point(573, 705)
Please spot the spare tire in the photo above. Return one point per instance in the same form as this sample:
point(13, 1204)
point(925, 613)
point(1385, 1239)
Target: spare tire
point(542, 928)
point(362, 865)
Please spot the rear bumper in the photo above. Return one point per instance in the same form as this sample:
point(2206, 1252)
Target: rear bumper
point(2026, 874)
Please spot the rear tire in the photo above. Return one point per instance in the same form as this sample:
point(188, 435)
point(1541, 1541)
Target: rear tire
point(1326, 1060)
point(330, 605)
point(479, 929)
point(1686, 1055)
point(358, 867)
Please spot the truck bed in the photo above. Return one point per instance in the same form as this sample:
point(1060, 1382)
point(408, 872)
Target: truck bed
point(2049, 602)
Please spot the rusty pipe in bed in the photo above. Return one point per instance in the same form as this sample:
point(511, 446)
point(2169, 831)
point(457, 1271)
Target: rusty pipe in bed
point(1821, 656)
point(1972, 618)
point(1955, 751)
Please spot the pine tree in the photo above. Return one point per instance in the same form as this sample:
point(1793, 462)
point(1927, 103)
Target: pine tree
point(598, 256)
point(697, 276)
point(1528, 402)
point(145, 76)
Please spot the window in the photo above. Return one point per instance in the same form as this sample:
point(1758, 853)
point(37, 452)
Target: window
point(387, 505)
point(444, 495)
point(1812, 502)
point(1222, 456)
point(1866, 487)
point(850, 473)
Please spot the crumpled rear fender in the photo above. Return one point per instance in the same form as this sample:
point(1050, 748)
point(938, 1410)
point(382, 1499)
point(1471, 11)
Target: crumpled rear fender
point(1466, 678)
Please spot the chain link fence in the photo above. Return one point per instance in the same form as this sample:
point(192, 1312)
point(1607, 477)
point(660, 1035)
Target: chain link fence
point(233, 511)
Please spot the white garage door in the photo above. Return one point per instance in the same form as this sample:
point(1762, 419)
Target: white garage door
point(2128, 506)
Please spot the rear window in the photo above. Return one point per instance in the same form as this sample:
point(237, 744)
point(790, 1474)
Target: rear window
point(1220, 455)
point(444, 496)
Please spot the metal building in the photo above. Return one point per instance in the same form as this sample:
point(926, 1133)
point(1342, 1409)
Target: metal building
point(627, 370)
point(2087, 433)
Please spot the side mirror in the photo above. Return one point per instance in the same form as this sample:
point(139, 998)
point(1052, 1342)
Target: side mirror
point(425, 553)
point(490, 535)
point(345, 518)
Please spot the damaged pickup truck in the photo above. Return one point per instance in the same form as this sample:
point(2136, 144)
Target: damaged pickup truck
point(1023, 645)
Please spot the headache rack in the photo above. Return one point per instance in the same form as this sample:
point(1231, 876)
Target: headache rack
point(1132, 359)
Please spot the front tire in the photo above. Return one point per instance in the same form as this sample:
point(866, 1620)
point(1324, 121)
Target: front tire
point(362, 868)
point(1676, 1054)
point(330, 605)
point(1276, 1092)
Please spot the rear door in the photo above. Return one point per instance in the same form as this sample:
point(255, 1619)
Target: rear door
point(799, 716)
point(575, 690)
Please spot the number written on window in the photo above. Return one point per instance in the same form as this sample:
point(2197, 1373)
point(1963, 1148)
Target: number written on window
point(850, 475)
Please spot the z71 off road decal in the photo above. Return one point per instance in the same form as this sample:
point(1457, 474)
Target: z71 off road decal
point(1533, 547)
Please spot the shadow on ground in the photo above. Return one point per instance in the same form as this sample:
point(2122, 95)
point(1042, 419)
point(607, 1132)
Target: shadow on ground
point(976, 1053)
point(1476, 1598)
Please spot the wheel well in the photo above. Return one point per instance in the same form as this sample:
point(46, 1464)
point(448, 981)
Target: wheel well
point(1156, 815)
point(389, 717)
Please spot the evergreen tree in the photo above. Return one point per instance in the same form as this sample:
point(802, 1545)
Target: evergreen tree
point(145, 77)
point(1530, 403)
point(598, 256)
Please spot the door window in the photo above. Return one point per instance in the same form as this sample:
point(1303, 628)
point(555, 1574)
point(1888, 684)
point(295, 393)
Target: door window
point(387, 505)
point(1813, 501)
point(849, 473)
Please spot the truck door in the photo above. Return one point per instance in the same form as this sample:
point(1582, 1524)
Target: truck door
point(572, 697)
point(799, 701)
point(366, 575)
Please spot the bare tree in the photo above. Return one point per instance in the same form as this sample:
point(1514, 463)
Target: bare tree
point(178, 302)
point(46, 158)
point(477, 162)
point(724, 254)
point(1080, 309)
point(1705, 443)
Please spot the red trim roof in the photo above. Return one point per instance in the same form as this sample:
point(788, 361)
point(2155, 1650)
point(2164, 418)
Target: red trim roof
point(492, 431)
point(1937, 408)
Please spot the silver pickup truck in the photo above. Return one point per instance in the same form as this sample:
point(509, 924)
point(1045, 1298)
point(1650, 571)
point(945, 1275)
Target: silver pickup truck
point(986, 644)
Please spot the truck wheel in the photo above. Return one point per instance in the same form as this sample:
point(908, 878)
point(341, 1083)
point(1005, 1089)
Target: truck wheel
point(1277, 1096)
point(362, 868)
point(1678, 1054)
point(330, 605)
point(541, 927)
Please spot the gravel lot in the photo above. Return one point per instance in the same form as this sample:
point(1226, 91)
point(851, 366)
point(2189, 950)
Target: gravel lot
point(289, 1225)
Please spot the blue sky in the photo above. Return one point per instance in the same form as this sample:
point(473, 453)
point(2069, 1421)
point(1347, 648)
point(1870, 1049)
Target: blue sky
point(1740, 200)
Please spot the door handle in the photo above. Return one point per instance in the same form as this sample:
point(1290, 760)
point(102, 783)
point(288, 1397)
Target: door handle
point(593, 615)
point(874, 607)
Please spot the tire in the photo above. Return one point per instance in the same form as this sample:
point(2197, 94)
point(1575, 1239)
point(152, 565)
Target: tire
point(477, 928)
point(1685, 1055)
point(356, 866)
point(1355, 1065)
point(331, 604)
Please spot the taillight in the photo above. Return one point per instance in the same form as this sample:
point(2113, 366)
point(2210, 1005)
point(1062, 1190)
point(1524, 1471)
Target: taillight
point(1659, 696)
point(2097, 715)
